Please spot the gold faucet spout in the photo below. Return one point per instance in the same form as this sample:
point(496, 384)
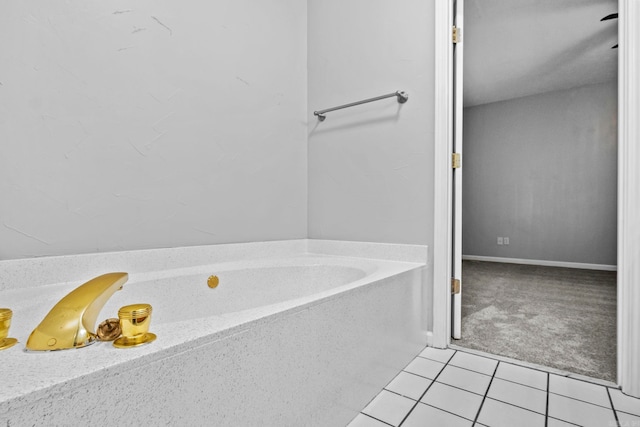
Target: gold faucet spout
point(71, 322)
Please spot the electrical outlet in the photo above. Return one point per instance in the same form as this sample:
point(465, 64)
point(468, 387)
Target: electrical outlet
point(506, 240)
point(500, 240)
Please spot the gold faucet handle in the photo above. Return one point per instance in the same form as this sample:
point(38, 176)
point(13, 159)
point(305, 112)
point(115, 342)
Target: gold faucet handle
point(134, 323)
point(5, 322)
point(109, 330)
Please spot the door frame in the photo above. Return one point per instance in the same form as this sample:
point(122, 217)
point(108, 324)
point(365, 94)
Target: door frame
point(628, 305)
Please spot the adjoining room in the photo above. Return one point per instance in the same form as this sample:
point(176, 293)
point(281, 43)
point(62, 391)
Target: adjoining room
point(540, 184)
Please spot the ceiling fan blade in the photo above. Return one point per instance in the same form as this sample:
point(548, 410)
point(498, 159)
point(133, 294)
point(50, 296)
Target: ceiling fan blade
point(611, 16)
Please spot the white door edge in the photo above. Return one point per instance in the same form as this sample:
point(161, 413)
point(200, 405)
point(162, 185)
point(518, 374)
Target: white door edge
point(629, 197)
point(443, 146)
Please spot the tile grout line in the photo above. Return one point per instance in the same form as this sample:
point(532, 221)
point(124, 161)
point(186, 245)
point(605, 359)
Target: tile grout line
point(492, 398)
point(546, 411)
point(430, 385)
point(383, 422)
point(580, 400)
point(458, 388)
point(471, 370)
point(478, 394)
point(444, 410)
point(575, 398)
point(592, 381)
point(390, 391)
point(445, 365)
point(627, 413)
point(434, 360)
point(613, 408)
point(415, 375)
point(535, 367)
point(397, 394)
point(475, 420)
point(524, 385)
point(515, 406)
point(505, 379)
point(564, 421)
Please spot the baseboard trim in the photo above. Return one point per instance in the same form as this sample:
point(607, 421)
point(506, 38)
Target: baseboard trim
point(581, 265)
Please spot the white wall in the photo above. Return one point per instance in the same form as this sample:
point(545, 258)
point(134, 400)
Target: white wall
point(542, 170)
point(151, 124)
point(371, 166)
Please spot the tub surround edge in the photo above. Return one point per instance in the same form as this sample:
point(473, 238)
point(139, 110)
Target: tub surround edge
point(372, 250)
point(31, 272)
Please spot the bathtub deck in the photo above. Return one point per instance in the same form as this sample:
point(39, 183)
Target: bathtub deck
point(288, 360)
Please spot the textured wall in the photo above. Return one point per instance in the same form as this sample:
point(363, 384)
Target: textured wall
point(542, 170)
point(370, 167)
point(151, 124)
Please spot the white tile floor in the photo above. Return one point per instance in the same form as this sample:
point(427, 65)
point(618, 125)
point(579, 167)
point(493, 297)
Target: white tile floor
point(455, 388)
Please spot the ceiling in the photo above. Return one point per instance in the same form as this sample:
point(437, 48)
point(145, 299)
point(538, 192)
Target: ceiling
point(515, 48)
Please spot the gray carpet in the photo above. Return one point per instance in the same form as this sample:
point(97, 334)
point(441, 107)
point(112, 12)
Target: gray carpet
point(558, 317)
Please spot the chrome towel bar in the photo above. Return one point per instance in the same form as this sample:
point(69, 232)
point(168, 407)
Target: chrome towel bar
point(401, 95)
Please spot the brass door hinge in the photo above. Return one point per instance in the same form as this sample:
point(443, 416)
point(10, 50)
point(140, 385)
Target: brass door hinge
point(455, 35)
point(455, 286)
point(456, 160)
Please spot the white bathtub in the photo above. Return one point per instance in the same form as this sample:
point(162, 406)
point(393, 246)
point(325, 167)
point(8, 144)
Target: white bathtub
point(293, 335)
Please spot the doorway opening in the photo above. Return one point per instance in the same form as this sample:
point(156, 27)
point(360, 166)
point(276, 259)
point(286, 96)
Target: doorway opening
point(628, 232)
point(539, 219)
